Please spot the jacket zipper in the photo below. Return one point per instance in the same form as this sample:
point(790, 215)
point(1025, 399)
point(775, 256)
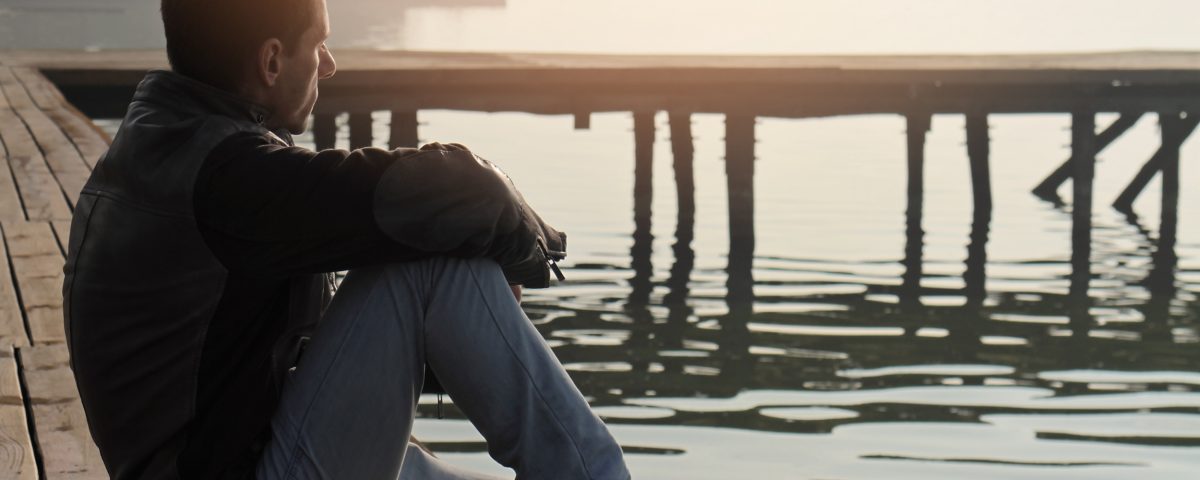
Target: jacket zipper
point(550, 261)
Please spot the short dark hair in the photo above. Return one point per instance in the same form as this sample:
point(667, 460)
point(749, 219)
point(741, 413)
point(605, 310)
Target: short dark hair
point(215, 41)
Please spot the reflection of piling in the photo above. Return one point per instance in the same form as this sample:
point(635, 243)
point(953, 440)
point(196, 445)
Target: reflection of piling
point(910, 294)
point(978, 150)
point(739, 172)
point(966, 330)
point(975, 275)
point(676, 299)
point(1174, 131)
point(1083, 158)
point(404, 129)
point(683, 151)
point(1161, 284)
point(324, 130)
point(739, 286)
point(1161, 281)
point(643, 192)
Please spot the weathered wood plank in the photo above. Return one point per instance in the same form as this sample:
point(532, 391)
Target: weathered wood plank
point(16, 446)
point(59, 152)
point(12, 319)
point(10, 200)
point(68, 451)
point(38, 265)
point(40, 193)
point(62, 231)
point(44, 94)
point(89, 139)
point(8, 82)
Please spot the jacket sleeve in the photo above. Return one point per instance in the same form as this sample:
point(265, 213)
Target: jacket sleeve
point(443, 198)
point(268, 209)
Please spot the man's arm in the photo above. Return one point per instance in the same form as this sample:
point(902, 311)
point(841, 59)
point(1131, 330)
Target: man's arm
point(271, 210)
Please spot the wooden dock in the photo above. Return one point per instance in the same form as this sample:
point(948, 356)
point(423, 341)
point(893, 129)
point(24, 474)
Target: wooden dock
point(49, 148)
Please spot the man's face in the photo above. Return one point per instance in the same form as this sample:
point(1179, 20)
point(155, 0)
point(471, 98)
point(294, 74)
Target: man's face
point(292, 98)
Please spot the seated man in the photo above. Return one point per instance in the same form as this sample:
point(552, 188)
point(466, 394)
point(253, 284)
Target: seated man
point(198, 268)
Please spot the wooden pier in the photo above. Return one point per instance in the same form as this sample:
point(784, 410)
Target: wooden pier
point(49, 148)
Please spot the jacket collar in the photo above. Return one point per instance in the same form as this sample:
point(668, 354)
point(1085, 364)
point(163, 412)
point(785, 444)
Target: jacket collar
point(188, 95)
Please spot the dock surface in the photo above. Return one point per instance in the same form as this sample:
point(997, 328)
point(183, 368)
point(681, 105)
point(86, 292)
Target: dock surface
point(49, 148)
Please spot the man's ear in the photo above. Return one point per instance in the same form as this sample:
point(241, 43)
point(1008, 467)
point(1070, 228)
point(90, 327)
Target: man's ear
point(270, 61)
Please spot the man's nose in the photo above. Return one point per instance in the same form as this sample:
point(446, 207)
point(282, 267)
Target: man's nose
point(328, 65)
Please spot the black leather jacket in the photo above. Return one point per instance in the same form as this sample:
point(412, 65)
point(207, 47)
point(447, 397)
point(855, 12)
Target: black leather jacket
point(178, 338)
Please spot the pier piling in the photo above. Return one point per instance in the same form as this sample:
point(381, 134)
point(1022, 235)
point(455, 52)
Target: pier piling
point(739, 172)
point(1180, 129)
point(978, 151)
point(360, 130)
point(404, 129)
point(683, 150)
point(1083, 160)
point(1161, 280)
point(918, 127)
point(643, 193)
point(324, 130)
point(583, 121)
point(1175, 131)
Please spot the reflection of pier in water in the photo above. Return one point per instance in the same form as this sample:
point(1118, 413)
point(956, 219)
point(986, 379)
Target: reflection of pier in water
point(672, 350)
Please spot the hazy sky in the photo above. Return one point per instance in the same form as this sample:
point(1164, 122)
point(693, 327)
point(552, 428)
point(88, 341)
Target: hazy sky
point(782, 26)
point(692, 26)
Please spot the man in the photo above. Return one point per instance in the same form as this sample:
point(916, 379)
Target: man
point(198, 268)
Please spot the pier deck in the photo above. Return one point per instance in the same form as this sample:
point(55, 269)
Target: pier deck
point(785, 86)
point(49, 148)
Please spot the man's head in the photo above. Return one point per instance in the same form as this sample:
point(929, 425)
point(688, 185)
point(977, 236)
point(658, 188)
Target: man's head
point(271, 52)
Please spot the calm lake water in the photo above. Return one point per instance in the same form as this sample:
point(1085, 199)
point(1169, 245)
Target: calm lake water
point(831, 371)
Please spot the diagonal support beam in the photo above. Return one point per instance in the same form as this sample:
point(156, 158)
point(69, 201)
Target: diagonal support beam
point(1048, 189)
point(1175, 131)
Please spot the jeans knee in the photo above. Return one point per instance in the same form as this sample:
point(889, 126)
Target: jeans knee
point(437, 270)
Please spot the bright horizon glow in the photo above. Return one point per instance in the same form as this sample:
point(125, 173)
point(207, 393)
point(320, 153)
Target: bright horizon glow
point(666, 26)
point(775, 27)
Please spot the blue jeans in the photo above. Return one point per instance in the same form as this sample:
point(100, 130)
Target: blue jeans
point(347, 410)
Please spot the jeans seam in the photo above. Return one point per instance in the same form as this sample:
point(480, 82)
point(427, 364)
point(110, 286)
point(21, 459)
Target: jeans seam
point(536, 388)
point(292, 464)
